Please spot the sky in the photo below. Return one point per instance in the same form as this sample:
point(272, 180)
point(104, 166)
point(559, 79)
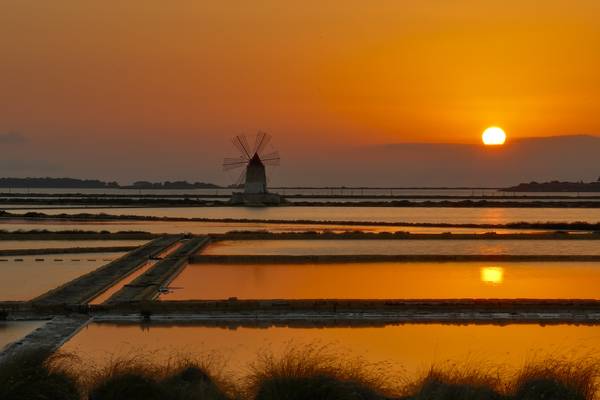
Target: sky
point(148, 89)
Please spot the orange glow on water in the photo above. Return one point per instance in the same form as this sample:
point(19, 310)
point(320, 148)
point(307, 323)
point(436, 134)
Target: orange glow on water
point(387, 281)
point(410, 348)
point(493, 275)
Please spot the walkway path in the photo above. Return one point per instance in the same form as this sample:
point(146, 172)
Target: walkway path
point(146, 287)
point(88, 286)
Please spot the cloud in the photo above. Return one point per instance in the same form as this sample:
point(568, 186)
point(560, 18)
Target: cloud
point(564, 158)
point(12, 138)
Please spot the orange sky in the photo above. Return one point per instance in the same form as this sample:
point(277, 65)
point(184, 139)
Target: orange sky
point(114, 73)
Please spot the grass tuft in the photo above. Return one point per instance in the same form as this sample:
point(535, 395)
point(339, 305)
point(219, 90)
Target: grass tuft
point(316, 372)
point(138, 377)
point(458, 384)
point(557, 380)
point(307, 372)
point(37, 374)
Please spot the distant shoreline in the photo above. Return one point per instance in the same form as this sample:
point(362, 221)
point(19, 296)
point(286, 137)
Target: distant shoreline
point(73, 183)
point(94, 184)
point(555, 186)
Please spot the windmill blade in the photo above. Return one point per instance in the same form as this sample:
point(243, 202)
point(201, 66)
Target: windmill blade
point(241, 179)
point(268, 156)
point(234, 163)
point(261, 141)
point(271, 159)
point(241, 143)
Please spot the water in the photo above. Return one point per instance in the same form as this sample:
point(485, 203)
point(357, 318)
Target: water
point(490, 192)
point(398, 246)
point(64, 244)
point(356, 214)
point(411, 348)
point(35, 203)
point(11, 331)
point(24, 280)
point(388, 280)
point(431, 199)
point(203, 228)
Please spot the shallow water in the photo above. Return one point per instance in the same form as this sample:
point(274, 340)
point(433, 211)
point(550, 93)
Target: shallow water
point(64, 244)
point(202, 228)
point(411, 348)
point(425, 199)
point(489, 192)
point(412, 246)
point(388, 280)
point(377, 214)
point(70, 202)
point(24, 280)
point(15, 330)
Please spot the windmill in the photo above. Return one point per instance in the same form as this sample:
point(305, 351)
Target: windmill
point(254, 160)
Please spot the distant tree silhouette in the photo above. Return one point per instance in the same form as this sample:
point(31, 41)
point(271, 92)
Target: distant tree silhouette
point(556, 186)
point(59, 183)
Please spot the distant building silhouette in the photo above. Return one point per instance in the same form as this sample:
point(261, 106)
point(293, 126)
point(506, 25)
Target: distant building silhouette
point(254, 175)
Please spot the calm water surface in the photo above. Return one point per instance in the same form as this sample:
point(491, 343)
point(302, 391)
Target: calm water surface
point(376, 214)
point(63, 244)
point(24, 280)
point(412, 246)
point(15, 330)
point(410, 348)
point(390, 280)
point(68, 202)
point(489, 192)
point(221, 227)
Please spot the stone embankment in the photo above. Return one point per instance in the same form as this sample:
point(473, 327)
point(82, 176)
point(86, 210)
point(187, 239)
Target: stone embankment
point(147, 286)
point(48, 337)
point(369, 311)
point(88, 286)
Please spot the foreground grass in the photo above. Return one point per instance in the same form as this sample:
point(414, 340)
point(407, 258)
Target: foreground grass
point(299, 373)
point(38, 375)
point(318, 372)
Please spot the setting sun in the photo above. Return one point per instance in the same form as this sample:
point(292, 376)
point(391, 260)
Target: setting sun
point(493, 136)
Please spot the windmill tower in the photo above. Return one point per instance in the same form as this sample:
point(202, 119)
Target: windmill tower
point(253, 160)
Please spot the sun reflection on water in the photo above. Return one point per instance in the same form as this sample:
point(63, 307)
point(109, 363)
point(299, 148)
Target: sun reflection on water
point(492, 275)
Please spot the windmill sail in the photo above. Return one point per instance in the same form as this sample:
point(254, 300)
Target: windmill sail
point(234, 163)
point(241, 143)
point(260, 143)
